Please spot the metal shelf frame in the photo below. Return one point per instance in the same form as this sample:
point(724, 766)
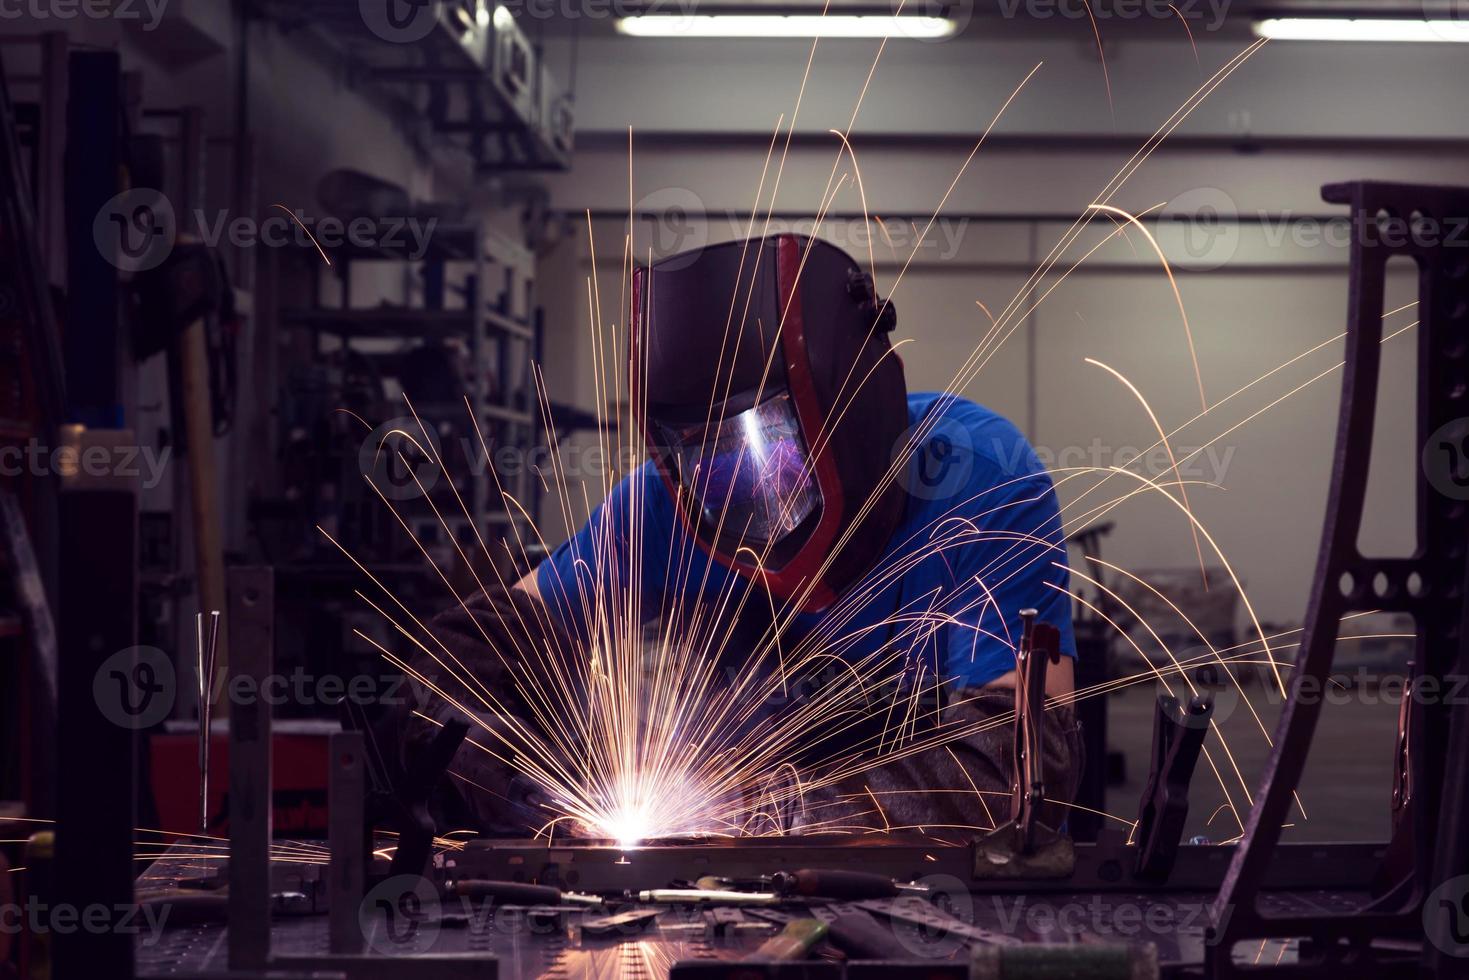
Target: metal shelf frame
point(465, 67)
point(498, 323)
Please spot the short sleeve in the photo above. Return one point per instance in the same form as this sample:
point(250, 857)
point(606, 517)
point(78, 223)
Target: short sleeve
point(617, 561)
point(1014, 558)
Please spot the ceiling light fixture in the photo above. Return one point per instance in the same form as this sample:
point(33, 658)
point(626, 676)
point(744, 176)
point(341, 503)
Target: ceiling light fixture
point(1361, 29)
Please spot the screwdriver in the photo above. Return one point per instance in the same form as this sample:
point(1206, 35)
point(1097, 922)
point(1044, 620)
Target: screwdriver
point(519, 893)
point(702, 896)
point(830, 883)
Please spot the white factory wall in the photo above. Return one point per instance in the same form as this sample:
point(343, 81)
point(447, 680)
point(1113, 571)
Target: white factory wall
point(1257, 293)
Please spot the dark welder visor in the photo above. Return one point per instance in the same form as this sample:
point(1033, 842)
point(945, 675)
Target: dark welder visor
point(748, 473)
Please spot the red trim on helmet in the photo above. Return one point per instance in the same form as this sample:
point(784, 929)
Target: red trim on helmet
point(804, 566)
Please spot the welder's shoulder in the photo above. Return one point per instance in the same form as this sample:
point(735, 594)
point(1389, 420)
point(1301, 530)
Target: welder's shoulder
point(997, 449)
point(638, 504)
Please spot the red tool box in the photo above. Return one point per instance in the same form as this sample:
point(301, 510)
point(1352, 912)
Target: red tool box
point(298, 779)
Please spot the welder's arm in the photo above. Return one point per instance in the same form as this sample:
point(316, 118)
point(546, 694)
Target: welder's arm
point(531, 583)
point(615, 552)
point(959, 788)
point(478, 641)
point(468, 671)
point(1060, 679)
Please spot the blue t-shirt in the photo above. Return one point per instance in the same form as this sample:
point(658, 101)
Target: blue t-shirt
point(981, 539)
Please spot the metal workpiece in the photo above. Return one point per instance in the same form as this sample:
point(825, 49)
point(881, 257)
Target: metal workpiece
point(602, 866)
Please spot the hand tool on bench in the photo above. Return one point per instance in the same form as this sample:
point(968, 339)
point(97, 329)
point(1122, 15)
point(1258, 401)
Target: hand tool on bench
point(846, 885)
point(519, 893)
point(702, 896)
point(793, 942)
point(1070, 961)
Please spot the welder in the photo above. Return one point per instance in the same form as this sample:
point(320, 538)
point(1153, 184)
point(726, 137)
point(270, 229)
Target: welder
point(788, 457)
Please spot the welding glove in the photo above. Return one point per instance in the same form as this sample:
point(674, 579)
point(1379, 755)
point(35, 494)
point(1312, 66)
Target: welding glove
point(957, 789)
point(470, 673)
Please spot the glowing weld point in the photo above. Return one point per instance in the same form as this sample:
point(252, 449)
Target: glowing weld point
point(628, 828)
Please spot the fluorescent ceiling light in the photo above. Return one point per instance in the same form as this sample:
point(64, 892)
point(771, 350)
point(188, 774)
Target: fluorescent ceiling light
point(793, 25)
point(1361, 29)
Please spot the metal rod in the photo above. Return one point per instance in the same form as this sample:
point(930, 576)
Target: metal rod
point(207, 660)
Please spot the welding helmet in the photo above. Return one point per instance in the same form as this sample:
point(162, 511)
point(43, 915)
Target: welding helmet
point(771, 399)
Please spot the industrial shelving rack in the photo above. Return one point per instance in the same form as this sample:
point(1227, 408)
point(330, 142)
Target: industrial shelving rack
point(463, 77)
point(474, 286)
point(464, 69)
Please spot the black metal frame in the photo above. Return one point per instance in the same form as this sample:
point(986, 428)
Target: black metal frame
point(1387, 220)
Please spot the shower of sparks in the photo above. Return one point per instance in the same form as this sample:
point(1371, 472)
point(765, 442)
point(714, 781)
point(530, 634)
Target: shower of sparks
point(643, 731)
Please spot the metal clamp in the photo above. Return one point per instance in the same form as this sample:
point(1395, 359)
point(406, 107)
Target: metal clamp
point(1040, 645)
point(1178, 737)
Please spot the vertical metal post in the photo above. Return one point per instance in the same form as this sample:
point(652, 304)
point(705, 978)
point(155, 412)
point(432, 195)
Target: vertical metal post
point(533, 407)
point(477, 296)
point(94, 344)
point(51, 151)
point(251, 621)
point(108, 691)
point(346, 799)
